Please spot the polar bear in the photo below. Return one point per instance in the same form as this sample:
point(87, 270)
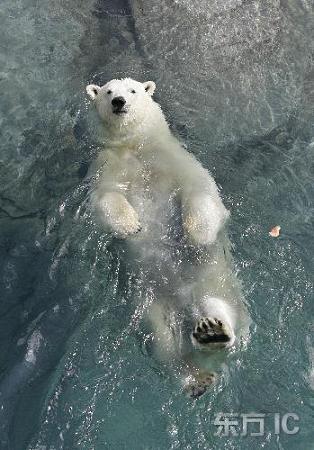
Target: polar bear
point(155, 196)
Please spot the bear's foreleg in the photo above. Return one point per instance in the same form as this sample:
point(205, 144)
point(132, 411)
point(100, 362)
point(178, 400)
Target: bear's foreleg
point(202, 219)
point(116, 214)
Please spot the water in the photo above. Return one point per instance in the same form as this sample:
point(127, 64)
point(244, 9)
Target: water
point(236, 83)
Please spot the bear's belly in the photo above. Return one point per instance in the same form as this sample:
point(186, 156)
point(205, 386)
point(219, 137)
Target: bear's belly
point(160, 216)
point(157, 247)
point(155, 198)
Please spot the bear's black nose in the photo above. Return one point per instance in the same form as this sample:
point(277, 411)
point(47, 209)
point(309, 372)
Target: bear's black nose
point(118, 102)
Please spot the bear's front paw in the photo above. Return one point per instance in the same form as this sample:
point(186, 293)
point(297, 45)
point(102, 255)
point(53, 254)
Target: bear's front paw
point(192, 229)
point(202, 219)
point(198, 231)
point(127, 224)
point(116, 213)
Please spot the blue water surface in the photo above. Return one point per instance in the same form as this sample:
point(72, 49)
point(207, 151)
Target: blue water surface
point(236, 82)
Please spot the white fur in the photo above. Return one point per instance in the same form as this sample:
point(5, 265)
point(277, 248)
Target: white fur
point(141, 140)
point(141, 170)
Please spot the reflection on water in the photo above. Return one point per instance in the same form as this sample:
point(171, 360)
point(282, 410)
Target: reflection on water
point(236, 82)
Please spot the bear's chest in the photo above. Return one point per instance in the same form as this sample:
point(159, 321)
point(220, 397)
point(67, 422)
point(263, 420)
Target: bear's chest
point(143, 176)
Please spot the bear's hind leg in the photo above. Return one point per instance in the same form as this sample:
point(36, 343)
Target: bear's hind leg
point(197, 384)
point(210, 331)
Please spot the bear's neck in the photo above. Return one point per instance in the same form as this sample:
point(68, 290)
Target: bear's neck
point(135, 136)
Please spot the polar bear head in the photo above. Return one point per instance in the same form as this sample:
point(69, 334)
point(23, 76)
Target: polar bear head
point(123, 102)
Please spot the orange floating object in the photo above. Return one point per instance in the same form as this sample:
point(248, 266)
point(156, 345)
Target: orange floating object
point(275, 231)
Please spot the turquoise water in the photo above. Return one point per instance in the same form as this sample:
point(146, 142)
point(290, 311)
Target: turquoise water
point(236, 83)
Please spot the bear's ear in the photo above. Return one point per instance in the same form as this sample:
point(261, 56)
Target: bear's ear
point(92, 91)
point(149, 87)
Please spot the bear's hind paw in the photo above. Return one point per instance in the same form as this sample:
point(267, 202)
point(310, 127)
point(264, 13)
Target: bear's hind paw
point(198, 384)
point(210, 330)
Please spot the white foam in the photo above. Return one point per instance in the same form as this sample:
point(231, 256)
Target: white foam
point(33, 346)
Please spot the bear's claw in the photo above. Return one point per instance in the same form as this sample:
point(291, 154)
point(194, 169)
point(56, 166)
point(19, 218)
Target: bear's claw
point(138, 229)
point(210, 330)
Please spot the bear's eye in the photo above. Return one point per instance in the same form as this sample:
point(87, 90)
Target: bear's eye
point(133, 92)
point(109, 92)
